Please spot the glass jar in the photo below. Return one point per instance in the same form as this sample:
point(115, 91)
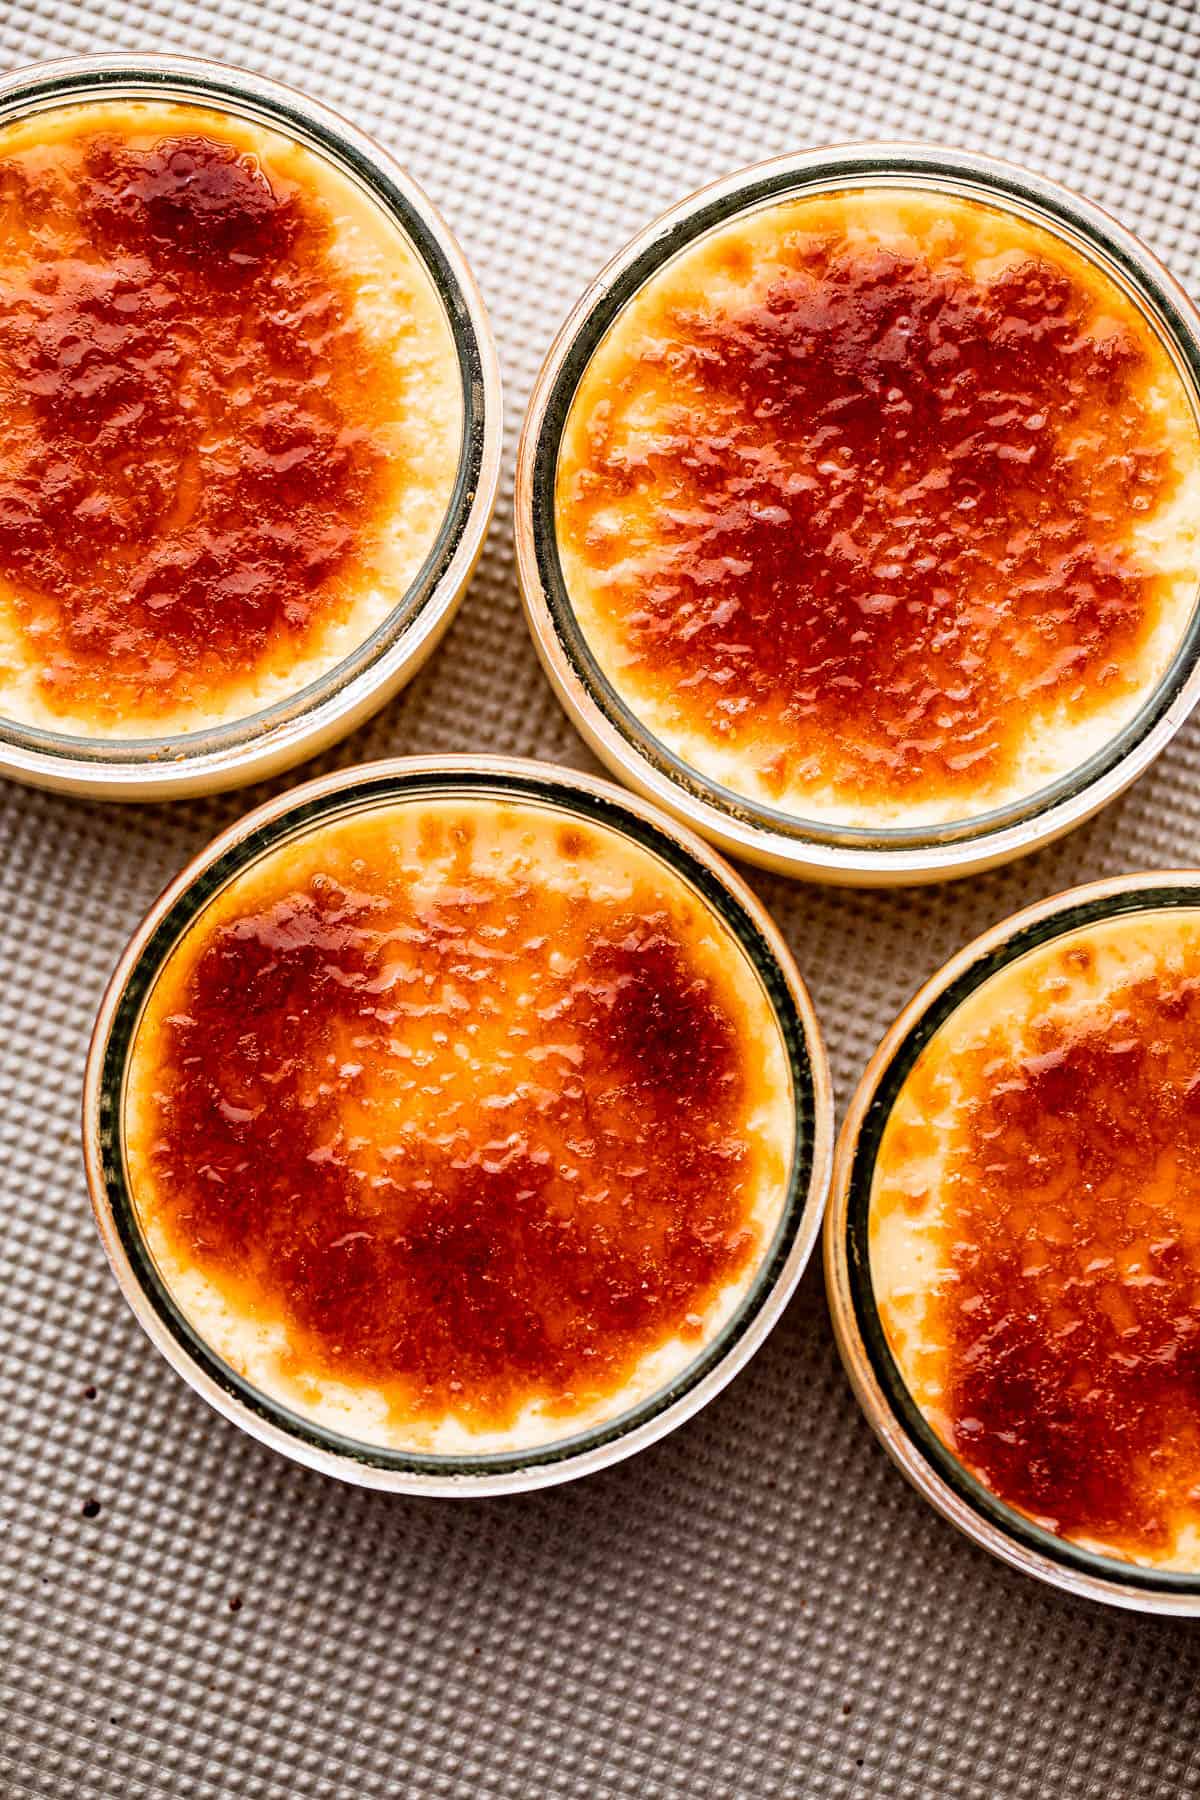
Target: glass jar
point(354, 793)
point(742, 826)
point(304, 722)
point(880, 1386)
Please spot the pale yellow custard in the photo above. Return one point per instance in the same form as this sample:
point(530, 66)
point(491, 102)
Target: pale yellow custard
point(1035, 1235)
point(230, 418)
point(459, 1125)
point(881, 508)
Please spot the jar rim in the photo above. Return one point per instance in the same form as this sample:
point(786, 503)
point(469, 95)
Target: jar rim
point(409, 779)
point(325, 708)
point(874, 1374)
point(742, 826)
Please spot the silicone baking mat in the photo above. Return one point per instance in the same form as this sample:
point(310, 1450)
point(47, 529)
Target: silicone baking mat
point(758, 1606)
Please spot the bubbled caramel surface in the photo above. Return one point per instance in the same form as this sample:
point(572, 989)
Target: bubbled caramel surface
point(200, 444)
point(471, 1106)
point(848, 503)
point(1058, 1334)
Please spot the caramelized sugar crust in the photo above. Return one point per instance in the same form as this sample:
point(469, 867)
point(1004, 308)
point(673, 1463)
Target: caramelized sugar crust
point(1062, 1332)
point(478, 1135)
point(199, 444)
point(846, 498)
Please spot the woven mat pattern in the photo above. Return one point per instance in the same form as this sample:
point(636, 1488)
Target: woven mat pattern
point(758, 1607)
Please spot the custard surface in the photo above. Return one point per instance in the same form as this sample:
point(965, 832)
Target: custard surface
point(1035, 1236)
point(880, 508)
point(230, 418)
point(458, 1126)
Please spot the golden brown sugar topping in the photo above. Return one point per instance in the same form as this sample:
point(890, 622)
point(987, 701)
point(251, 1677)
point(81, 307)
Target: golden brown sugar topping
point(199, 443)
point(479, 1135)
point(1064, 1324)
point(853, 499)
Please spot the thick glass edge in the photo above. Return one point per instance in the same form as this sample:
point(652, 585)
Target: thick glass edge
point(1012, 1525)
point(602, 809)
point(267, 102)
point(1057, 209)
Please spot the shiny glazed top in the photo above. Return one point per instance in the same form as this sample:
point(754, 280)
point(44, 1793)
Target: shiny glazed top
point(880, 507)
point(1035, 1236)
point(474, 1116)
point(215, 355)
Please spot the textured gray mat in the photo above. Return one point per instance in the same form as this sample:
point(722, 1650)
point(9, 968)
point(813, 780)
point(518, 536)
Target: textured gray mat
point(759, 1606)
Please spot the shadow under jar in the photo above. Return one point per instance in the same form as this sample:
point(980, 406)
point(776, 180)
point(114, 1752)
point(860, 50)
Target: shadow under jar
point(1012, 1248)
point(457, 1127)
point(857, 512)
point(251, 426)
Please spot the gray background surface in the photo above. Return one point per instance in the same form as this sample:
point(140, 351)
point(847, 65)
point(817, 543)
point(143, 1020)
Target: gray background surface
point(758, 1606)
